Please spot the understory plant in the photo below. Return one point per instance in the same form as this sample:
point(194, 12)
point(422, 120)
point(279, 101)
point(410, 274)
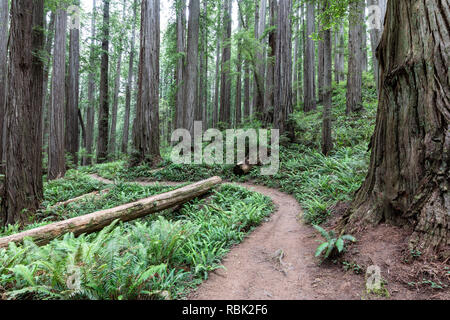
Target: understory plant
point(333, 245)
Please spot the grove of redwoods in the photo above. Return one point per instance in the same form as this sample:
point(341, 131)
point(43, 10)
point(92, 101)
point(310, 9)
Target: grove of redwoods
point(118, 86)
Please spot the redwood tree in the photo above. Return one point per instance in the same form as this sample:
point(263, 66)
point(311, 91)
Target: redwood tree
point(56, 157)
point(190, 100)
point(146, 138)
point(4, 14)
point(408, 180)
point(23, 190)
point(103, 113)
point(309, 69)
point(355, 59)
point(72, 130)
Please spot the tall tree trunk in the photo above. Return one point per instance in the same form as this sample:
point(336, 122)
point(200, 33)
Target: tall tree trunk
point(47, 94)
point(269, 102)
point(217, 82)
point(205, 45)
point(238, 100)
point(283, 68)
point(320, 57)
point(203, 83)
point(181, 49)
point(4, 15)
point(225, 85)
point(260, 26)
point(23, 190)
point(295, 83)
point(103, 114)
point(90, 116)
point(190, 100)
point(375, 37)
point(338, 53)
point(219, 41)
point(146, 135)
point(112, 150)
point(72, 131)
point(408, 175)
point(355, 60)
point(327, 142)
point(56, 155)
point(126, 120)
point(247, 91)
point(365, 62)
point(309, 63)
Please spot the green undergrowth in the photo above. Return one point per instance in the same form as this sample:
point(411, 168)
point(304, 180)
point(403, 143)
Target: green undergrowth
point(316, 181)
point(163, 256)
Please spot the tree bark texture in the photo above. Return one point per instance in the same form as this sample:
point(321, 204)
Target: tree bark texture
point(409, 168)
point(22, 190)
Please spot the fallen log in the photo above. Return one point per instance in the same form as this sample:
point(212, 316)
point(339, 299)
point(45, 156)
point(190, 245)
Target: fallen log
point(98, 220)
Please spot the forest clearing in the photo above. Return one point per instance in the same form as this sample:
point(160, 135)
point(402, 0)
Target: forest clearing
point(224, 150)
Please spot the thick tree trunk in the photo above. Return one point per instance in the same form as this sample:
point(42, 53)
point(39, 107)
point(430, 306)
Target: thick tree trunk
point(190, 100)
point(126, 120)
point(355, 60)
point(112, 150)
point(260, 26)
point(225, 83)
point(146, 135)
point(22, 190)
point(409, 168)
point(72, 131)
point(309, 64)
point(327, 141)
point(4, 15)
point(98, 220)
point(90, 116)
point(181, 49)
point(56, 154)
point(103, 114)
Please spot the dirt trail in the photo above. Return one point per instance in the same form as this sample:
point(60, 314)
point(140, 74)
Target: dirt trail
point(276, 261)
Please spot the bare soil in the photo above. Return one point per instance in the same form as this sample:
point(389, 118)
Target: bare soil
point(276, 261)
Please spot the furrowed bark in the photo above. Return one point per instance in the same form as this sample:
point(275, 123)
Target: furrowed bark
point(4, 15)
point(103, 114)
point(408, 183)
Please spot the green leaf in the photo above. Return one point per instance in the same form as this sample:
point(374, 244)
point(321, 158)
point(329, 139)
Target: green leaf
point(340, 244)
point(349, 238)
point(323, 232)
point(330, 248)
point(321, 248)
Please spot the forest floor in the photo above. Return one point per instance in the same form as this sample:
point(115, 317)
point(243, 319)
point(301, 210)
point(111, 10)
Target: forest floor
point(276, 261)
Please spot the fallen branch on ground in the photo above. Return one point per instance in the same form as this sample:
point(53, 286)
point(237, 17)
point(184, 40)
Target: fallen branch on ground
point(98, 220)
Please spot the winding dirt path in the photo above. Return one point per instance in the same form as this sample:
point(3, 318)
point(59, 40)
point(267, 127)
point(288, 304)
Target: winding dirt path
point(276, 261)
